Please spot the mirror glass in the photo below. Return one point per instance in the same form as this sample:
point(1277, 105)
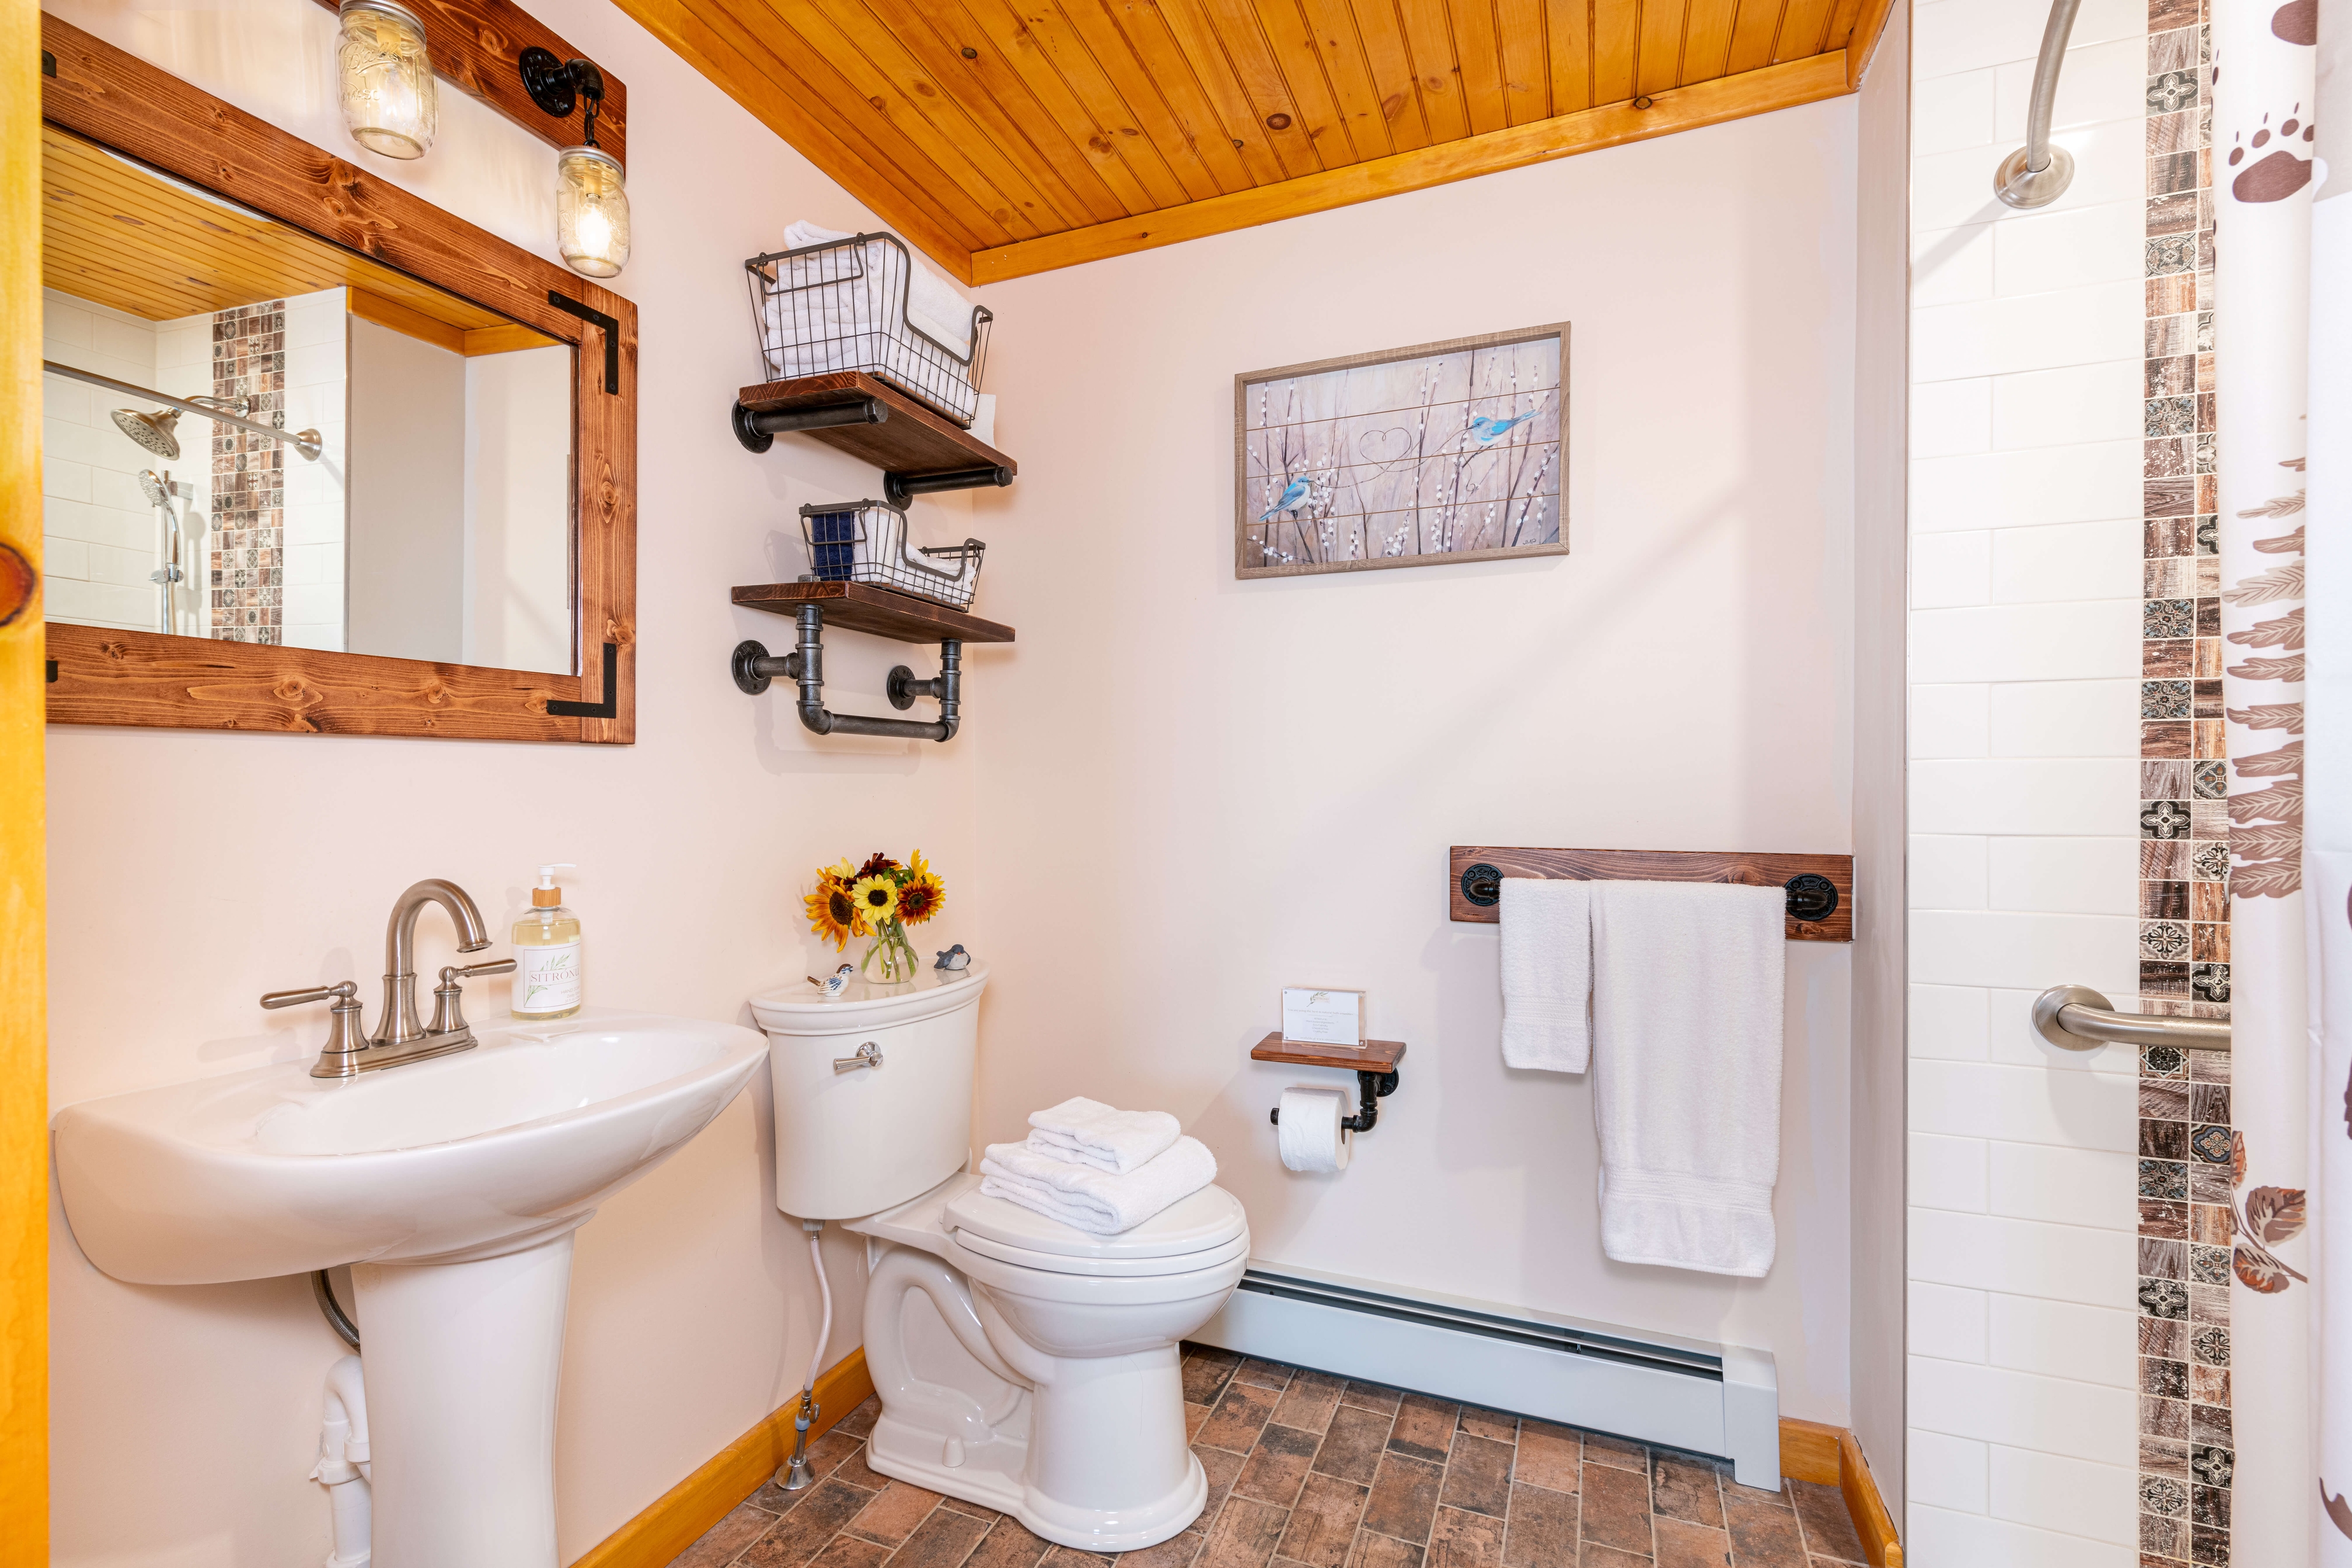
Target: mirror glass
point(401, 480)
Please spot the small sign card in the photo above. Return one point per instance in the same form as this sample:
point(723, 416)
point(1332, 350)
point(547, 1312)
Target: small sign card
point(1322, 1017)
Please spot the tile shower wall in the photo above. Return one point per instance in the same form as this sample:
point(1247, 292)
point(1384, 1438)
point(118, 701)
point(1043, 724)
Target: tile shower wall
point(246, 549)
point(2027, 609)
point(97, 532)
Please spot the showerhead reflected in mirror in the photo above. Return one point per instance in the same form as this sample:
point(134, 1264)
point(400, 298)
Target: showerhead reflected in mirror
point(359, 461)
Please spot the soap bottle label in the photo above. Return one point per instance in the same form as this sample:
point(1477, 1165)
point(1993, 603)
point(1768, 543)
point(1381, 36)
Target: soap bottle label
point(548, 979)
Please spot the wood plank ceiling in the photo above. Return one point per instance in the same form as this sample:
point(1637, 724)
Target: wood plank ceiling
point(1006, 137)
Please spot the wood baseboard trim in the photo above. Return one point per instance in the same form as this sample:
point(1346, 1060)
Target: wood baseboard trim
point(676, 1519)
point(1830, 1456)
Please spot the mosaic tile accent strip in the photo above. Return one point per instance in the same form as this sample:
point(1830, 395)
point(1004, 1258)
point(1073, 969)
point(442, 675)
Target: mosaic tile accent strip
point(2186, 1166)
point(1307, 1470)
point(246, 548)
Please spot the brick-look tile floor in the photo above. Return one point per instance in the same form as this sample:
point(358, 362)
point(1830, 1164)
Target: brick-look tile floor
point(1307, 1470)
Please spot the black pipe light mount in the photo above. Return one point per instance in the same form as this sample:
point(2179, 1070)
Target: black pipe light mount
point(558, 85)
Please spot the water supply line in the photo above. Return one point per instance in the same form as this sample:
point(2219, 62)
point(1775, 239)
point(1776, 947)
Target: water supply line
point(332, 1311)
point(794, 1476)
point(2038, 173)
point(343, 1466)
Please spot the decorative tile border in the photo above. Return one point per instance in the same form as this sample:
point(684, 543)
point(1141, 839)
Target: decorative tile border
point(2187, 1452)
point(246, 548)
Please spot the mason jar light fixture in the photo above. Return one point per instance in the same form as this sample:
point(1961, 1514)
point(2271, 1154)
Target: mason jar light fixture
point(592, 197)
point(385, 79)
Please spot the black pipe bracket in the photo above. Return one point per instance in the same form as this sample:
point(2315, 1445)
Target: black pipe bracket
point(753, 667)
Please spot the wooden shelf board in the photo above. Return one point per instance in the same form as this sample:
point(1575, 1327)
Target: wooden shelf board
point(863, 607)
point(913, 440)
point(1372, 1056)
point(1655, 866)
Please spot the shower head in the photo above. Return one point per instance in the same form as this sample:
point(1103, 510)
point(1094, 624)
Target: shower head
point(153, 431)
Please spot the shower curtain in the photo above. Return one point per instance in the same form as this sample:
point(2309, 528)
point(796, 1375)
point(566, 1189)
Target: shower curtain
point(2263, 139)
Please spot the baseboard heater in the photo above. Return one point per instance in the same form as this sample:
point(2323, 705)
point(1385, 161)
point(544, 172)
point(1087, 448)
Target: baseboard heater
point(1722, 1400)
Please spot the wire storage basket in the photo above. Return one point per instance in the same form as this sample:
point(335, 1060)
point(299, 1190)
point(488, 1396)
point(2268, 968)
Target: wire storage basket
point(862, 304)
point(865, 542)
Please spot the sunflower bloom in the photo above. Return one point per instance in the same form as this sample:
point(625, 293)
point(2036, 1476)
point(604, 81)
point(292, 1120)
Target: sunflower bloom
point(923, 896)
point(876, 898)
point(876, 865)
point(833, 913)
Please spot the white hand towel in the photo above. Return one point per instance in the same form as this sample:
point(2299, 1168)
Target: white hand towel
point(1686, 987)
point(1091, 1200)
point(1089, 1132)
point(1546, 974)
point(932, 301)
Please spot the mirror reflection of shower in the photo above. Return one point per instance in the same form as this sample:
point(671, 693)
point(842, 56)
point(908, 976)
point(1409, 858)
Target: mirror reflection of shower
point(175, 548)
point(158, 431)
point(155, 431)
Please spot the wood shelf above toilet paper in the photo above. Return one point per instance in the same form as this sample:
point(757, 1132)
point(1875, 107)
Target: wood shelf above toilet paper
point(1372, 1056)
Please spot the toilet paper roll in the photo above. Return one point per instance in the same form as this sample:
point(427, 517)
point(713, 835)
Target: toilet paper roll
point(1312, 1138)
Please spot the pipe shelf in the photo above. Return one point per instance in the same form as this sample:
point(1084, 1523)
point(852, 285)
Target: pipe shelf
point(864, 607)
point(918, 451)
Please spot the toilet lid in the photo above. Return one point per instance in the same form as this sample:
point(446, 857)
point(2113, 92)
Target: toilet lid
point(1210, 1220)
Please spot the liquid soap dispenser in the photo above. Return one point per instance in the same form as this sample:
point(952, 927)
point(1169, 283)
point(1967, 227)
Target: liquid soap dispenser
point(547, 953)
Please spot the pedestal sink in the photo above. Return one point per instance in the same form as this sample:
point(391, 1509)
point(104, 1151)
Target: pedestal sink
point(452, 1186)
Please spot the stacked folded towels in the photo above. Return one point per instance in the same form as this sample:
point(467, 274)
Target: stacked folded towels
point(1098, 1169)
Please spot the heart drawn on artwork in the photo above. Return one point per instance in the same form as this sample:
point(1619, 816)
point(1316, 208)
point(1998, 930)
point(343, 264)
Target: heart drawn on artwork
point(1384, 446)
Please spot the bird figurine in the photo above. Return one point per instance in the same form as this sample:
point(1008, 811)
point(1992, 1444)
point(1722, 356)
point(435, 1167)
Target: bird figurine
point(953, 959)
point(834, 983)
point(1486, 429)
point(1293, 496)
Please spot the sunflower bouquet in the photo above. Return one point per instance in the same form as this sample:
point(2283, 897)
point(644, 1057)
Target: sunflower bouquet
point(878, 900)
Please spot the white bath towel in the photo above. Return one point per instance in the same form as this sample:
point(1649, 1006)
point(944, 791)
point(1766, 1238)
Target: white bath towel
point(1546, 974)
point(1088, 1133)
point(932, 301)
point(1686, 987)
point(1095, 1201)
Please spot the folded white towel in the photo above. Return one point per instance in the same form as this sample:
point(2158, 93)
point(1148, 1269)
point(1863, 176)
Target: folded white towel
point(932, 300)
point(1095, 1201)
point(1089, 1132)
point(1547, 966)
point(1687, 980)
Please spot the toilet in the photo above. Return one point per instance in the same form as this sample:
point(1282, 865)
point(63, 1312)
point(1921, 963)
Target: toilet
point(1021, 1363)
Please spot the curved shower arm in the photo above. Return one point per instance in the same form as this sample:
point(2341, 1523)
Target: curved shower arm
point(306, 442)
point(2038, 173)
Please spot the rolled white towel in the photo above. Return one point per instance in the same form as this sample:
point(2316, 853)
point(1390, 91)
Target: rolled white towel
point(1097, 1202)
point(1089, 1132)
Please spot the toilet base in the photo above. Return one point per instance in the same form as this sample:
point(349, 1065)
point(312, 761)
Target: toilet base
point(991, 1476)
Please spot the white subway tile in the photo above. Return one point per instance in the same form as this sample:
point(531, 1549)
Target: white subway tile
point(1945, 1321)
point(1952, 417)
point(112, 564)
point(124, 341)
point(2060, 1262)
point(2065, 719)
point(1950, 188)
point(1945, 1538)
point(1953, 112)
point(66, 481)
point(317, 604)
point(1947, 871)
point(2025, 1105)
point(327, 636)
point(1948, 1021)
point(2028, 331)
point(63, 557)
point(1967, 34)
point(2099, 82)
point(2086, 482)
point(1950, 267)
point(1955, 721)
point(2064, 1338)
point(1946, 1173)
point(1948, 1472)
point(102, 604)
point(2066, 560)
point(65, 324)
point(2072, 249)
point(1962, 947)
point(1950, 571)
point(2054, 1493)
point(2064, 876)
point(2077, 640)
point(2048, 1414)
point(2068, 797)
point(2067, 406)
point(66, 401)
point(2062, 1185)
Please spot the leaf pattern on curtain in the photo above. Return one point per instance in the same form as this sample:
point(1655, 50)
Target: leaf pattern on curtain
point(2266, 824)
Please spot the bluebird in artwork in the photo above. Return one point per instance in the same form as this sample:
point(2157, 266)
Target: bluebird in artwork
point(1486, 429)
point(1293, 498)
point(836, 982)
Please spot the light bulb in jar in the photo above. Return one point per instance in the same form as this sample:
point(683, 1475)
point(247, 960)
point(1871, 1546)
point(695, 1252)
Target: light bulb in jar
point(384, 79)
point(592, 211)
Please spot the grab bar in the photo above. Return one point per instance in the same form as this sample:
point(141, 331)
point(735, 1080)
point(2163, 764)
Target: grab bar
point(2038, 173)
point(2080, 1019)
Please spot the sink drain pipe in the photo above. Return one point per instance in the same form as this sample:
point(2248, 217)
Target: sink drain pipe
point(343, 1465)
point(794, 1476)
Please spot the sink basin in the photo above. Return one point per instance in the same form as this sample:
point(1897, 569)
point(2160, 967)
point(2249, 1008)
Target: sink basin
point(273, 1172)
point(453, 1187)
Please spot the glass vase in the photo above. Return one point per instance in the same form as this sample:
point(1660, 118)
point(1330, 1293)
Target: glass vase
point(890, 959)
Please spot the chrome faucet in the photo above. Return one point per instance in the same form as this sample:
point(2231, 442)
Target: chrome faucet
point(398, 1037)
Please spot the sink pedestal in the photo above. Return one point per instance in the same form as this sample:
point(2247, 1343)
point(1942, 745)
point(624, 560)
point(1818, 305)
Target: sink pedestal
point(461, 1365)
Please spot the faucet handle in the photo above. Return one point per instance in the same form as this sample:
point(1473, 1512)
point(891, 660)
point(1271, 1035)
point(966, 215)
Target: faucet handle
point(339, 1057)
point(449, 1011)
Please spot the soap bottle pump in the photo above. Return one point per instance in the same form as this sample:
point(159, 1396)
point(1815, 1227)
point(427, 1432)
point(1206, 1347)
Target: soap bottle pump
point(547, 953)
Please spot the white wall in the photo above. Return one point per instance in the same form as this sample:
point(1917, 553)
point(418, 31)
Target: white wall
point(183, 363)
point(519, 509)
point(1194, 790)
point(2025, 560)
point(408, 505)
point(185, 1420)
point(98, 533)
point(317, 398)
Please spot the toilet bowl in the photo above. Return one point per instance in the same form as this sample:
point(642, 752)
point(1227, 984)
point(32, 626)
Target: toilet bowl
point(1021, 1363)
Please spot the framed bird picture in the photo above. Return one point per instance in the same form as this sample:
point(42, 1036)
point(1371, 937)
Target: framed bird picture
point(1451, 451)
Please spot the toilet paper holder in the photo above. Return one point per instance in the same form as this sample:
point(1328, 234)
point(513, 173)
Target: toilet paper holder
point(1375, 1063)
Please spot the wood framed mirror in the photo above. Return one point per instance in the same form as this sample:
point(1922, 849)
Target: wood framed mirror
point(441, 542)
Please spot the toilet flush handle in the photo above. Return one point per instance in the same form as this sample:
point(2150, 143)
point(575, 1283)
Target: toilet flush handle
point(869, 1055)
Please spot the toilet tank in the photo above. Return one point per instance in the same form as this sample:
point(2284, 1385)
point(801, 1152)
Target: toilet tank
point(855, 1142)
